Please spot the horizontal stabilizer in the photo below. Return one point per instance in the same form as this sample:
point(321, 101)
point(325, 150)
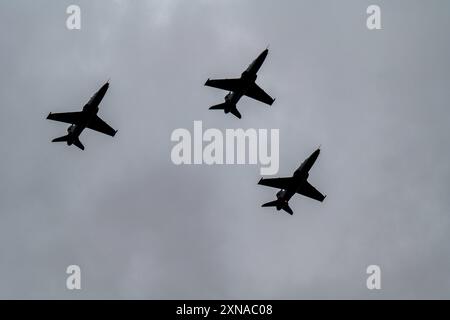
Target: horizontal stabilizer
point(280, 205)
point(226, 107)
point(288, 209)
point(236, 113)
point(61, 139)
point(78, 143)
point(271, 204)
point(221, 106)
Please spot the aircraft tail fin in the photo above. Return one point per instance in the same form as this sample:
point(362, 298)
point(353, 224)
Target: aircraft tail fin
point(227, 108)
point(279, 205)
point(78, 143)
point(61, 139)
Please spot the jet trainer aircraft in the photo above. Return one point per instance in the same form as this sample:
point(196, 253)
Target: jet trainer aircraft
point(83, 119)
point(298, 183)
point(244, 86)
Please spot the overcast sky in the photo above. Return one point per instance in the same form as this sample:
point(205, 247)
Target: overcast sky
point(141, 227)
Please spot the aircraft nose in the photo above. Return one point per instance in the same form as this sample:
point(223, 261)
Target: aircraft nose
point(314, 155)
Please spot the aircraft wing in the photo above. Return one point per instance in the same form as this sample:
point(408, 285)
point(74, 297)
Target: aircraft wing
point(67, 117)
point(99, 125)
point(255, 92)
point(224, 84)
point(309, 191)
point(278, 183)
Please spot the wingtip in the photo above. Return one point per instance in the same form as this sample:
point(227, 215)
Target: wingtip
point(49, 115)
point(206, 82)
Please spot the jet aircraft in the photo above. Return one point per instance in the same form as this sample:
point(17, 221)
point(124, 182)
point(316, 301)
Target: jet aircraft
point(87, 118)
point(289, 186)
point(243, 86)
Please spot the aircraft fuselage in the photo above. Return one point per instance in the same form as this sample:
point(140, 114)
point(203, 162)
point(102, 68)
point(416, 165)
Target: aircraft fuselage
point(300, 176)
point(248, 78)
point(90, 110)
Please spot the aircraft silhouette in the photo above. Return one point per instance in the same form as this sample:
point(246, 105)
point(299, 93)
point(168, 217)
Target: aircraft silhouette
point(87, 118)
point(289, 186)
point(243, 86)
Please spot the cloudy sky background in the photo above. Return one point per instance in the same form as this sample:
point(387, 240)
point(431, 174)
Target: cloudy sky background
point(141, 227)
